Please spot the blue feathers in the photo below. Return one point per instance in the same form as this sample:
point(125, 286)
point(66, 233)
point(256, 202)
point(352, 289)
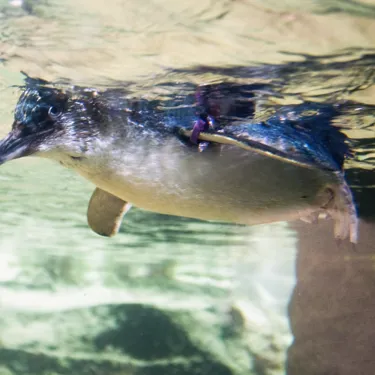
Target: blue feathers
point(303, 132)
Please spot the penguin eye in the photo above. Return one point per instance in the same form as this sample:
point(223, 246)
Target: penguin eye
point(54, 112)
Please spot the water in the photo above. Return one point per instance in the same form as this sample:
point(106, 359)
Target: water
point(171, 295)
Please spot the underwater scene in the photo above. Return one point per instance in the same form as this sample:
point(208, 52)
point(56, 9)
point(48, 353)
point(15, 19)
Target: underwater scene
point(187, 188)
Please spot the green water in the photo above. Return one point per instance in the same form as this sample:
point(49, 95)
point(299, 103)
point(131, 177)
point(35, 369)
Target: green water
point(51, 263)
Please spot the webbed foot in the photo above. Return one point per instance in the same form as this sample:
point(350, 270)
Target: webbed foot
point(340, 207)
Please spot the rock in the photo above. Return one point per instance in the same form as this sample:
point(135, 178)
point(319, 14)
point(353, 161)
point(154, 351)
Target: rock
point(128, 339)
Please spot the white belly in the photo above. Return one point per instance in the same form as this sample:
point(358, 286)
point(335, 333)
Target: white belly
point(223, 183)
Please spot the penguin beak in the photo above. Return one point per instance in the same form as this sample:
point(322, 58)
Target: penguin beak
point(14, 146)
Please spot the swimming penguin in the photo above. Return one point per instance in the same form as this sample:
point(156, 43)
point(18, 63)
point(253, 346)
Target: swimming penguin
point(208, 160)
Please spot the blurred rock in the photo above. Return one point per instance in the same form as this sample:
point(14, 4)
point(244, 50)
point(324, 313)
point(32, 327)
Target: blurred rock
point(134, 339)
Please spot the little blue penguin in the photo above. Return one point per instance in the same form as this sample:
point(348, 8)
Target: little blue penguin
point(207, 159)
